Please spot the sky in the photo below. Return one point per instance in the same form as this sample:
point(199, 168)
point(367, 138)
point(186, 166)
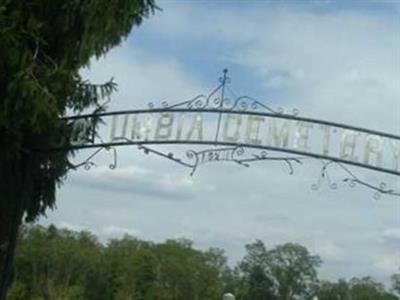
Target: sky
point(332, 60)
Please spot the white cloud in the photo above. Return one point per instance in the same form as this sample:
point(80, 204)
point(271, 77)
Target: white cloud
point(142, 78)
point(70, 226)
point(388, 263)
point(341, 67)
point(140, 181)
point(329, 249)
point(391, 237)
point(392, 233)
point(113, 231)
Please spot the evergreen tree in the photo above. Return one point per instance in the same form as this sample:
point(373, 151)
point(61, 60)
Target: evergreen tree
point(44, 44)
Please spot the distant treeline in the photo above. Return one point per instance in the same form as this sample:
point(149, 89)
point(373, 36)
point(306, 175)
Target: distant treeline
point(60, 264)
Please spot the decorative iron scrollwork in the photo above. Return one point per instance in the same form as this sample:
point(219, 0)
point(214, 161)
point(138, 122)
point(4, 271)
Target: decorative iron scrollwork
point(88, 162)
point(218, 99)
point(227, 154)
point(352, 180)
point(233, 154)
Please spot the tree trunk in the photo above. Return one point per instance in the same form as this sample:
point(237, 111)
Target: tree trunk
point(13, 178)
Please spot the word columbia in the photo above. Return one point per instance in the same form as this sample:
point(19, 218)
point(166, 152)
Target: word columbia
point(256, 130)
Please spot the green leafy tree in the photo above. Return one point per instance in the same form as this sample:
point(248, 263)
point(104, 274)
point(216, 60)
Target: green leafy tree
point(294, 270)
point(285, 272)
point(58, 264)
point(396, 283)
point(54, 263)
point(44, 44)
point(217, 270)
point(367, 288)
point(171, 270)
point(333, 290)
point(356, 289)
point(120, 262)
point(255, 281)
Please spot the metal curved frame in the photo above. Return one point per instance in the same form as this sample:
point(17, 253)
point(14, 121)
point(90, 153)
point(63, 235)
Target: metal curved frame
point(246, 112)
point(216, 102)
point(222, 143)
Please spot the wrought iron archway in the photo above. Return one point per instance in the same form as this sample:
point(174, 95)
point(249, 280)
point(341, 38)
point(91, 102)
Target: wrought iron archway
point(147, 128)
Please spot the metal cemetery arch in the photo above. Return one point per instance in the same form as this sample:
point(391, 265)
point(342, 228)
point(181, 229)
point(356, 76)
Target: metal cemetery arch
point(231, 126)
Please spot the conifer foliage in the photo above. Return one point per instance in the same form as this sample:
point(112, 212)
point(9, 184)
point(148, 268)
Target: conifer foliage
point(43, 45)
